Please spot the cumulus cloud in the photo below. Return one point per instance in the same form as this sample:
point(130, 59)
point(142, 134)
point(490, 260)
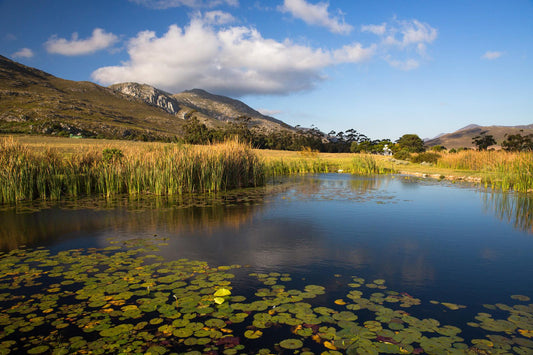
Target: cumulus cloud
point(233, 61)
point(489, 55)
point(316, 14)
point(23, 53)
point(412, 37)
point(99, 40)
point(166, 4)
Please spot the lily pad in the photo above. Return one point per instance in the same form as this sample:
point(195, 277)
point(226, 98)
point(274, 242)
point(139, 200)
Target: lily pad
point(291, 344)
point(253, 334)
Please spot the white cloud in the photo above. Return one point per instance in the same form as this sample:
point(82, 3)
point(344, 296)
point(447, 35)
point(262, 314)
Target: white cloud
point(375, 29)
point(98, 41)
point(166, 4)
point(217, 18)
point(234, 61)
point(23, 53)
point(405, 65)
point(354, 53)
point(489, 55)
point(316, 15)
point(412, 37)
point(268, 112)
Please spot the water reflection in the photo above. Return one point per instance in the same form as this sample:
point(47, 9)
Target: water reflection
point(39, 224)
point(514, 208)
point(416, 234)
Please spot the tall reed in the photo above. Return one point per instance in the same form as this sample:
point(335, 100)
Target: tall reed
point(499, 169)
point(164, 170)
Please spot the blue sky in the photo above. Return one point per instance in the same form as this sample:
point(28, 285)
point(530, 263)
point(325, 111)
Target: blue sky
point(382, 67)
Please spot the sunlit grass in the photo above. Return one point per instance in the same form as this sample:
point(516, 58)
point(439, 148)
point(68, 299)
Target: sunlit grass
point(500, 169)
point(171, 169)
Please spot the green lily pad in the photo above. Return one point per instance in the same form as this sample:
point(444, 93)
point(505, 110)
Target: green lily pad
point(39, 349)
point(520, 298)
point(291, 344)
point(253, 334)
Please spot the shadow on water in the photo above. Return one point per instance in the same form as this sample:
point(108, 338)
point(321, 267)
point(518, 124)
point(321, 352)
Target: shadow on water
point(46, 223)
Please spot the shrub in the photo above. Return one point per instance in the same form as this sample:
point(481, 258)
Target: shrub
point(402, 155)
point(425, 157)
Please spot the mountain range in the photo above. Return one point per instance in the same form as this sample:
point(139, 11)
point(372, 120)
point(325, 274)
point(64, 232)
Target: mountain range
point(463, 137)
point(35, 102)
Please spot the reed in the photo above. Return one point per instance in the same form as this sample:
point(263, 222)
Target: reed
point(169, 169)
point(499, 169)
point(360, 164)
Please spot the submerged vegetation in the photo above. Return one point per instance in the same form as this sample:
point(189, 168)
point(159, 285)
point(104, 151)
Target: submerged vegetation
point(126, 299)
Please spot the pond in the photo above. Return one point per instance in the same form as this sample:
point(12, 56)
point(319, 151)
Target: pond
point(310, 264)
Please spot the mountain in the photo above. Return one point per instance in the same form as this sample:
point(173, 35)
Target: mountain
point(463, 137)
point(206, 106)
point(150, 95)
point(35, 102)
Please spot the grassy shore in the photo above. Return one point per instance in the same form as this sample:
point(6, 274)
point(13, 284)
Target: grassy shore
point(55, 171)
point(33, 167)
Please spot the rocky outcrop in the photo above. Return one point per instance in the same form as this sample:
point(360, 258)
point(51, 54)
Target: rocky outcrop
point(226, 109)
point(150, 95)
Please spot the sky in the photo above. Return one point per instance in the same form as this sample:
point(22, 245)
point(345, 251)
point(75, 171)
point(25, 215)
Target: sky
point(382, 67)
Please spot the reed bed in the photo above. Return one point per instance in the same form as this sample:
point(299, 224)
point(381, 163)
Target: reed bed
point(170, 169)
point(304, 163)
point(499, 169)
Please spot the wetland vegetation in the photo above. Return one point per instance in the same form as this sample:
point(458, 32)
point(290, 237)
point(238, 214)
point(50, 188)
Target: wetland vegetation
point(148, 248)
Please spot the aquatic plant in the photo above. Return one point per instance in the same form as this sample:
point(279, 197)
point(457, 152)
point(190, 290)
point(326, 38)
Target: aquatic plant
point(160, 170)
point(124, 298)
point(499, 169)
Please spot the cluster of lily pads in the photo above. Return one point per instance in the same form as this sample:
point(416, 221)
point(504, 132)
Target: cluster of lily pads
point(126, 299)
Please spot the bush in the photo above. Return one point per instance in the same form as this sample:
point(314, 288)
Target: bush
point(402, 155)
point(426, 157)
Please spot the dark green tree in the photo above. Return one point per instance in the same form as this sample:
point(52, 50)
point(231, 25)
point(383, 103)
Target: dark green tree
point(411, 143)
point(518, 143)
point(483, 141)
point(196, 132)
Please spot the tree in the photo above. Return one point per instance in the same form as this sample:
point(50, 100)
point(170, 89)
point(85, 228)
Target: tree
point(196, 132)
point(483, 141)
point(411, 142)
point(518, 143)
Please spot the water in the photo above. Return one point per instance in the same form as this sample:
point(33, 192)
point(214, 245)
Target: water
point(432, 240)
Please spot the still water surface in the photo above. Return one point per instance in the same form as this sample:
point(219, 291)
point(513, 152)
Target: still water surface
point(432, 240)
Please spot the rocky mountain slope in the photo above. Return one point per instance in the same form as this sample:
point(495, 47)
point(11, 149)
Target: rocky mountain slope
point(463, 137)
point(35, 102)
point(150, 95)
point(206, 106)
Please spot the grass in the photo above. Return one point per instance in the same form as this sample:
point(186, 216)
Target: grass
point(499, 169)
point(159, 169)
point(51, 168)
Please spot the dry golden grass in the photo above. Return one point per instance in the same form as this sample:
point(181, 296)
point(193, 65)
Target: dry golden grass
point(494, 168)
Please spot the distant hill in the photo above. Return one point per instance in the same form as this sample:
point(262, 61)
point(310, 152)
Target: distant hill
point(35, 102)
point(463, 137)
